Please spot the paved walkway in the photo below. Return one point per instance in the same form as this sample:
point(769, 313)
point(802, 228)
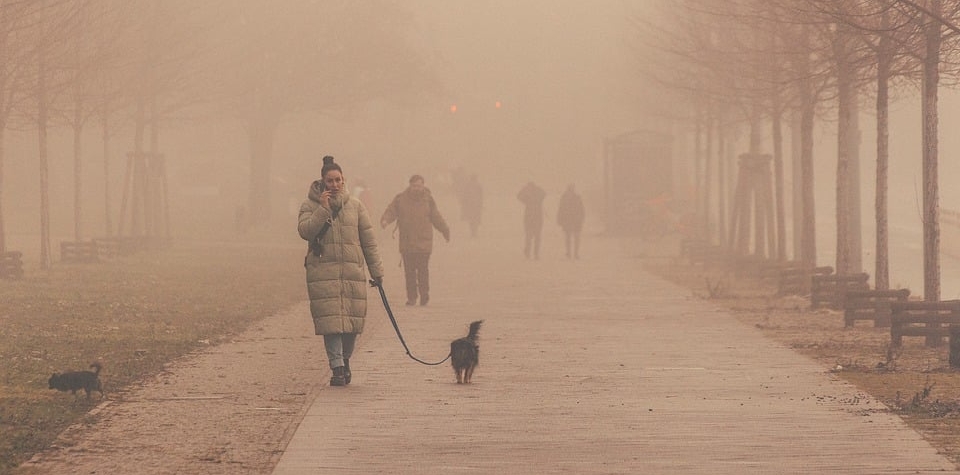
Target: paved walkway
point(589, 366)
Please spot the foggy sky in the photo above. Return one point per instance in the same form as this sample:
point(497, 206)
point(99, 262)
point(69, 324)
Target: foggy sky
point(567, 78)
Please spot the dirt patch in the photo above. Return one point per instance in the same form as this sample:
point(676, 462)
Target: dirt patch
point(914, 381)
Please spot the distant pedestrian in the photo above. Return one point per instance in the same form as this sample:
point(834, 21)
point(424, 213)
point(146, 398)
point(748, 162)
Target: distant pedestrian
point(471, 203)
point(532, 197)
point(416, 215)
point(570, 215)
point(341, 240)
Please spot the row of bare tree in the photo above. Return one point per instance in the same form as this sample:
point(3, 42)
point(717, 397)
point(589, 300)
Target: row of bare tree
point(131, 66)
point(753, 65)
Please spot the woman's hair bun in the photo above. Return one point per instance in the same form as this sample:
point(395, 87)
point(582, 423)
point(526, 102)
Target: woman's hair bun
point(328, 160)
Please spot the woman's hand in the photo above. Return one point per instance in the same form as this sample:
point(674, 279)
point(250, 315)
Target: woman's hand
point(325, 198)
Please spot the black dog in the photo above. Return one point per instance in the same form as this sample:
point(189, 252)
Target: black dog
point(74, 381)
point(465, 354)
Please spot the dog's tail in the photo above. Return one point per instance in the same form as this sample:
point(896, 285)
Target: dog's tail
point(474, 329)
point(96, 367)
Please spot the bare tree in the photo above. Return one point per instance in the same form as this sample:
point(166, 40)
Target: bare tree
point(91, 72)
point(691, 54)
point(889, 34)
point(744, 56)
point(276, 64)
point(54, 22)
point(16, 53)
point(938, 16)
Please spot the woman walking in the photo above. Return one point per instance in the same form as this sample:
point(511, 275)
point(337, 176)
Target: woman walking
point(341, 240)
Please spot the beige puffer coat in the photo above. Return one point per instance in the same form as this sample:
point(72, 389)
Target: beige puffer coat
point(336, 281)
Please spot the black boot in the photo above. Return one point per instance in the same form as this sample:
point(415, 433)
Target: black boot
point(337, 379)
point(346, 371)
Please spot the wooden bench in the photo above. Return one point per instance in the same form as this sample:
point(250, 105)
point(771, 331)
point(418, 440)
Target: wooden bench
point(114, 247)
point(11, 265)
point(79, 252)
point(828, 290)
point(920, 318)
point(796, 280)
point(871, 305)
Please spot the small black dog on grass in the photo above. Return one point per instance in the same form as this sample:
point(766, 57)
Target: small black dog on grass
point(465, 354)
point(74, 381)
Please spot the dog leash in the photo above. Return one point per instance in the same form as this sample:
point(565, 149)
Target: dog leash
point(386, 305)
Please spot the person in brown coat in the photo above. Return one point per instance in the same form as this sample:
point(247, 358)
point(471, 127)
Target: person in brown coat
point(337, 254)
point(416, 215)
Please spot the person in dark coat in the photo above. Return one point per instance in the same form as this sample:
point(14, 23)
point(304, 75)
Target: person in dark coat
point(334, 264)
point(570, 214)
point(416, 215)
point(532, 197)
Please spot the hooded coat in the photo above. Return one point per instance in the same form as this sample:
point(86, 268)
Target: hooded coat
point(532, 197)
point(416, 215)
point(336, 280)
point(570, 212)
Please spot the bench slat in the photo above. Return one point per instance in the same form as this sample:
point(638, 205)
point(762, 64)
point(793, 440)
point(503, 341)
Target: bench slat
point(936, 318)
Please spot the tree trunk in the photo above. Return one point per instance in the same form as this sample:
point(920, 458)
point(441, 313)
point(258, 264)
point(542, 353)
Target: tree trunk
point(3, 130)
point(757, 183)
point(756, 135)
point(707, 175)
point(854, 223)
point(740, 218)
point(77, 172)
point(781, 232)
point(262, 133)
point(844, 98)
point(882, 268)
point(721, 184)
point(779, 244)
point(698, 169)
point(756, 142)
point(138, 173)
point(733, 172)
point(808, 239)
point(3, 232)
point(44, 168)
point(882, 263)
point(159, 215)
point(931, 190)
point(796, 196)
point(105, 124)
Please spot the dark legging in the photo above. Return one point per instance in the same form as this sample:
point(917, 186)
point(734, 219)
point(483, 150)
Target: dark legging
point(533, 228)
point(417, 275)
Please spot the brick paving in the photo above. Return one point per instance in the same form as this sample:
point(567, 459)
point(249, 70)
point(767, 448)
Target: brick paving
point(587, 367)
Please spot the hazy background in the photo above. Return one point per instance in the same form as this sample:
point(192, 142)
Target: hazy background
point(561, 71)
point(566, 73)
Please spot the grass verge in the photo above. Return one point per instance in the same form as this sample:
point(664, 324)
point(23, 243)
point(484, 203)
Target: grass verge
point(134, 315)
